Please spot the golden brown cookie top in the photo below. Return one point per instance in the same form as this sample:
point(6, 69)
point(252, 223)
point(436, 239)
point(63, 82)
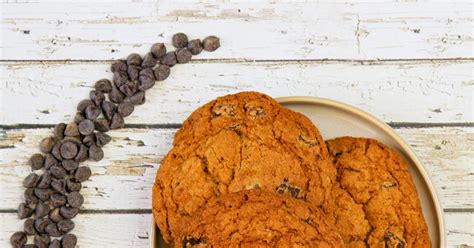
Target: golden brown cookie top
point(376, 201)
point(257, 218)
point(239, 142)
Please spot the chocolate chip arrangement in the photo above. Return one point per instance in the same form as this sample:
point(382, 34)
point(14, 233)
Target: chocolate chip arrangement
point(52, 196)
point(245, 171)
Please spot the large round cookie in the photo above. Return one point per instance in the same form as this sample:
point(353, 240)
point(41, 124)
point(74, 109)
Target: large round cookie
point(376, 201)
point(257, 218)
point(237, 142)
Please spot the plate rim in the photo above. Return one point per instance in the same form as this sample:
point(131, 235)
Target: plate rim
point(386, 128)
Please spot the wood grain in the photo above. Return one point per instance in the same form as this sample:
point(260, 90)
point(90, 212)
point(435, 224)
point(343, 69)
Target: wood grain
point(263, 31)
point(134, 230)
point(132, 158)
point(393, 91)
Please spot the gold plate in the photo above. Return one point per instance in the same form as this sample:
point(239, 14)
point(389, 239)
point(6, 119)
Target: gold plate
point(335, 119)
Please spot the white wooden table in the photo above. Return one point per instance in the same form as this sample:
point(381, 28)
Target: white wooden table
point(408, 63)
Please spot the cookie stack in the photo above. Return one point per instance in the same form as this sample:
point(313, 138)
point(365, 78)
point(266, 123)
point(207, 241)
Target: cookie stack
point(246, 171)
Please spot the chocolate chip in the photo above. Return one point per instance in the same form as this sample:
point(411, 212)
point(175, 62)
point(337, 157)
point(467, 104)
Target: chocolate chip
point(162, 72)
point(102, 125)
point(18, 239)
point(70, 165)
point(42, 209)
point(96, 153)
point(79, 117)
point(82, 173)
point(97, 96)
point(52, 230)
point(108, 109)
point(116, 96)
point(118, 65)
point(31, 180)
point(29, 227)
point(59, 185)
point(117, 121)
point(75, 199)
point(65, 226)
point(69, 241)
point(44, 181)
point(92, 112)
point(36, 161)
point(42, 240)
point(30, 246)
point(81, 107)
point(211, 43)
point(55, 244)
point(73, 185)
point(71, 130)
point(24, 211)
point(58, 199)
point(49, 161)
point(133, 71)
point(55, 215)
point(86, 127)
point(294, 191)
point(158, 50)
point(149, 61)
point(104, 85)
point(129, 88)
point(68, 212)
point(183, 55)
point(193, 241)
point(81, 154)
point(42, 194)
point(46, 145)
point(125, 109)
point(146, 79)
point(57, 172)
point(393, 241)
point(69, 150)
point(134, 59)
point(179, 40)
point(120, 78)
point(56, 152)
point(41, 224)
point(169, 59)
point(58, 131)
point(138, 98)
point(30, 197)
point(195, 46)
point(102, 139)
point(88, 140)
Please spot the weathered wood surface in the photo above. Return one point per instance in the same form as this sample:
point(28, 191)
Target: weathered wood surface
point(132, 158)
point(262, 31)
point(134, 230)
point(411, 91)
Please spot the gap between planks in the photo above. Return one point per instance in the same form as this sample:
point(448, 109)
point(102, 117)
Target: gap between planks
point(243, 60)
point(395, 125)
point(148, 211)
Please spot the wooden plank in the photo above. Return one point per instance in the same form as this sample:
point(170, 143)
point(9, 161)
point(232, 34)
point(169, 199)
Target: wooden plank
point(416, 91)
point(459, 229)
point(134, 230)
point(264, 31)
point(132, 158)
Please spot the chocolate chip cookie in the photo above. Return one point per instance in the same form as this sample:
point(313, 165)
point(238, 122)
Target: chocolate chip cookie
point(238, 142)
point(257, 218)
point(376, 201)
